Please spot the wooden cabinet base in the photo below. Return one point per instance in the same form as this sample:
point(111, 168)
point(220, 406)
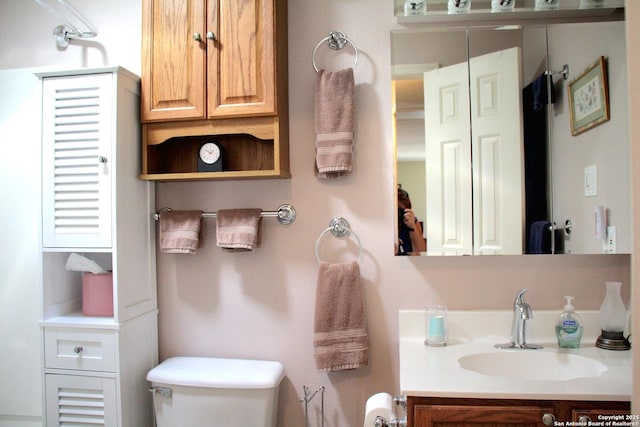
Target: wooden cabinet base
point(461, 412)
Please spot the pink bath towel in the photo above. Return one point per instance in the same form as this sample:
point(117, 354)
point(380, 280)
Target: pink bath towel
point(340, 325)
point(239, 230)
point(180, 231)
point(334, 107)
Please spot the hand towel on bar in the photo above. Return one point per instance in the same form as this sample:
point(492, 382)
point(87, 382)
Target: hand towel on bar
point(180, 231)
point(334, 101)
point(340, 326)
point(239, 230)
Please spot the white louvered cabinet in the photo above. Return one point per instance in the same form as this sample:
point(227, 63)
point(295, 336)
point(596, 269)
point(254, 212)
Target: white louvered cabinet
point(94, 204)
point(77, 137)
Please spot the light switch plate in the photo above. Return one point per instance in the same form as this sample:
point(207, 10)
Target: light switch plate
point(591, 181)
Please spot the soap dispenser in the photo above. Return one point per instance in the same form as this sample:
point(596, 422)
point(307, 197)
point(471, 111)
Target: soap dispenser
point(569, 327)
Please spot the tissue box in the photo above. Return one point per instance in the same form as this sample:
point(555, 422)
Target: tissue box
point(97, 294)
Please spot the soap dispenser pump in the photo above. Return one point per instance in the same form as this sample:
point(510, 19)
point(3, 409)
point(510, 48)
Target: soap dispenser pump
point(569, 326)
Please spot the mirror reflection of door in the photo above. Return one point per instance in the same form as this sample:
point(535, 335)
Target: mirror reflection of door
point(448, 161)
point(479, 212)
point(496, 132)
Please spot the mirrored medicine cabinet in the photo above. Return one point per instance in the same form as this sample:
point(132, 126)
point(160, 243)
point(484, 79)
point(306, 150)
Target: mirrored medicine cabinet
point(483, 137)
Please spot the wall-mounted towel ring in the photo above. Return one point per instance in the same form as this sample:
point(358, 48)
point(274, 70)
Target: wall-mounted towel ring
point(336, 40)
point(339, 227)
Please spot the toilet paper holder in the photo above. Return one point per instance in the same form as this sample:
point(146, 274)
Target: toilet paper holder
point(381, 421)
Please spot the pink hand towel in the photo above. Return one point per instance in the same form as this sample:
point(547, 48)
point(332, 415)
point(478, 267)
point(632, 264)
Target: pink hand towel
point(239, 230)
point(334, 102)
point(180, 231)
point(340, 325)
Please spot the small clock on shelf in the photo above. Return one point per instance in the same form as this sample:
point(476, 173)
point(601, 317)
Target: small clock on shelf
point(210, 157)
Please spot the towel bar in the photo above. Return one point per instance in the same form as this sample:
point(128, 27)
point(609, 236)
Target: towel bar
point(285, 214)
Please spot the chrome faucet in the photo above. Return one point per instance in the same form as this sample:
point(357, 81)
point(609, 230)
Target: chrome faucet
point(521, 313)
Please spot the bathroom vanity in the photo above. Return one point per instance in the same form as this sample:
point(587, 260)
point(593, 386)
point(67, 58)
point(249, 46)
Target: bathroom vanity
point(471, 383)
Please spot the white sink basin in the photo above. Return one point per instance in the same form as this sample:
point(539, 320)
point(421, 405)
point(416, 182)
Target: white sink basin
point(469, 366)
point(532, 365)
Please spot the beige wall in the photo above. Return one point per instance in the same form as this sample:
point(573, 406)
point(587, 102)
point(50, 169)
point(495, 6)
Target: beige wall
point(633, 53)
point(260, 305)
point(605, 146)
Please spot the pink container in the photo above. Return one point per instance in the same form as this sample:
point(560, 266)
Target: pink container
point(97, 294)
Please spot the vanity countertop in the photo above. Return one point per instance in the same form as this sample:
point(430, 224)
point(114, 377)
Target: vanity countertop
point(435, 371)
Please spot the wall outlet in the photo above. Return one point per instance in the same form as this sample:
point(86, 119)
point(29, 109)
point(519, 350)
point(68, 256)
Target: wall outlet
point(609, 243)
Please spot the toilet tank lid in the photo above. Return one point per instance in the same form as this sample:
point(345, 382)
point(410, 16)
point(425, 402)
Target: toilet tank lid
point(218, 373)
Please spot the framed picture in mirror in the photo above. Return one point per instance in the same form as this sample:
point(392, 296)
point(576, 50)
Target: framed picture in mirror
point(589, 97)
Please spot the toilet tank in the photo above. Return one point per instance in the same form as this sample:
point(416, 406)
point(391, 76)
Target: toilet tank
point(205, 391)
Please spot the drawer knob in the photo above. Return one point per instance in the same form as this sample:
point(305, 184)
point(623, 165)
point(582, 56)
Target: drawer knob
point(548, 419)
point(77, 349)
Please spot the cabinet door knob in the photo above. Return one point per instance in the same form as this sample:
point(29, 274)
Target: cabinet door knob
point(102, 159)
point(77, 349)
point(548, 419)
point(211, 36)
point(197, 37)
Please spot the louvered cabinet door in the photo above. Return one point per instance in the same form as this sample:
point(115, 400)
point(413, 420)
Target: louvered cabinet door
point(77, 400)
point(77, 163)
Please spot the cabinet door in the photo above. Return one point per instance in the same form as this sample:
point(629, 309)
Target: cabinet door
point(77, 165)
point(78, 400)
point(173, 60)
point(478, 416)
point(241, 61)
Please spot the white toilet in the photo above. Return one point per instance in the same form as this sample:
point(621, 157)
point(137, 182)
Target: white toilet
point(205, 391)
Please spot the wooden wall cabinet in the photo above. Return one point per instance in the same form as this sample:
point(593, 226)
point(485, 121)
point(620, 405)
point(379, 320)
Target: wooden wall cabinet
point(94, 204)
point(214, 69)
point(465, 412)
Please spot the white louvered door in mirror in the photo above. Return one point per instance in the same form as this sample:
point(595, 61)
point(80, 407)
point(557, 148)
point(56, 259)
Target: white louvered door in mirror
point(77, 138)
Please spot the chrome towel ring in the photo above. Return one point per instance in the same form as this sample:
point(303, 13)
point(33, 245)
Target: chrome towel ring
point(339, 227)
point(336, 40)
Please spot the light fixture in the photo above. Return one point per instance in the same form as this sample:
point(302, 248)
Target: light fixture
point(70, 16)
point(613, 320)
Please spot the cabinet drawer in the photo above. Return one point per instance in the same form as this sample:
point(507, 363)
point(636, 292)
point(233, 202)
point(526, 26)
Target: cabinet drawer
point(81, 349)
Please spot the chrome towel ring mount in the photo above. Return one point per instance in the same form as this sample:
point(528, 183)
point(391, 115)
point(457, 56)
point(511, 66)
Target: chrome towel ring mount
point(336, 40)
point(340, 228)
